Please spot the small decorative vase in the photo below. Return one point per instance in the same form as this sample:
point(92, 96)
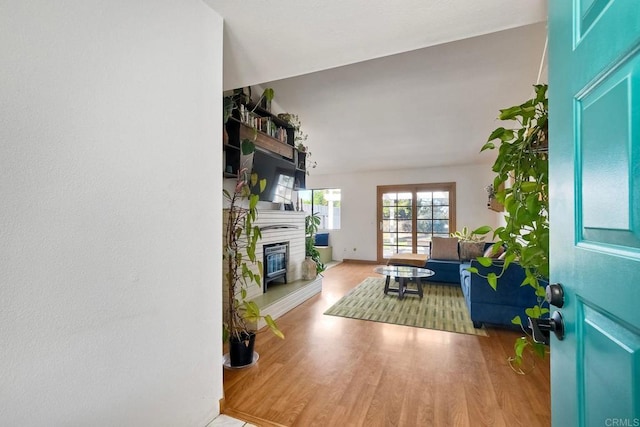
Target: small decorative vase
point(309, 271)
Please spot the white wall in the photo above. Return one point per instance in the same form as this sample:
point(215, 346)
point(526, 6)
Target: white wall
point(110, 225)
point(357, 237)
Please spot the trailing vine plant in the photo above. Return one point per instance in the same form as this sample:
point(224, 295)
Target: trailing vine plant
point(522, 186)
point(300, 137)
point(240, 241)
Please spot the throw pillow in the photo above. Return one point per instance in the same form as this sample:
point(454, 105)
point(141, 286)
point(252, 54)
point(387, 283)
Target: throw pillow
point(445, 248)
point(322, 239)
point(471, 250)
point(493, 251)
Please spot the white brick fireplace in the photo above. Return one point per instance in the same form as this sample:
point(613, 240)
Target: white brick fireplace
point(281, 227)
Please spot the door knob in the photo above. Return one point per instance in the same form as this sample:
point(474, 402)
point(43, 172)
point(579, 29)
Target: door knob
point(555, 294)
point(541, 328)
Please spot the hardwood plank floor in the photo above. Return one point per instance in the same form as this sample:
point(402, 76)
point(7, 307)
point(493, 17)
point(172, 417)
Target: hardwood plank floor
point(333, 371)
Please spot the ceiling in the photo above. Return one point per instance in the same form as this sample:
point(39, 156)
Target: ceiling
point(378, 87)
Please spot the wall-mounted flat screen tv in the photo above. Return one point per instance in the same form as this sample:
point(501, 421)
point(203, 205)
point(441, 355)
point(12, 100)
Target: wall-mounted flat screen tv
point(278, 172)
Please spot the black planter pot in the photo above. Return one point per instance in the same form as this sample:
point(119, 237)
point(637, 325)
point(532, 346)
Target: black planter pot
point(241, 350)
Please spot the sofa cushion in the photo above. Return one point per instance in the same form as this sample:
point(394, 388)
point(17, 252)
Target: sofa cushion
point(446, 271)
point(471, 250)
point(444, 248)
point(322, 239)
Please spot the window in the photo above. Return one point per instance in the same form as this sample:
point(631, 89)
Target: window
point(410, 215)
point(325, 204)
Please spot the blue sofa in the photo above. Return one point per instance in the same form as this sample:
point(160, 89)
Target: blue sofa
point(496, 307)
point(448, 271)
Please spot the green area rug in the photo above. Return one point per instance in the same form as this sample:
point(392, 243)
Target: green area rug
point(442, 307)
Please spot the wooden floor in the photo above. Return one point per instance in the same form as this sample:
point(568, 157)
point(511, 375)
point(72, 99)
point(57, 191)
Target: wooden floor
point(333, 371)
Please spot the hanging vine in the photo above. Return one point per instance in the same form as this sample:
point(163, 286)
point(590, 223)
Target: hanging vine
point(522, 186)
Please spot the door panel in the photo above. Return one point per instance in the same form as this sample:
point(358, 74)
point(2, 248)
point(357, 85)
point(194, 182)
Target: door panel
point(607, 340)
point(594, 118)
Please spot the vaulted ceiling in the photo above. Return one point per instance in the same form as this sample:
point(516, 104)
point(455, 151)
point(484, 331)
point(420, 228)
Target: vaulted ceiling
point(378, 86)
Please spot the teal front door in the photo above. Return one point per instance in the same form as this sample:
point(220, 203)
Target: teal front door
point(594, 119)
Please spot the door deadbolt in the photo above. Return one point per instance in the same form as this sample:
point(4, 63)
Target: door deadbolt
point(555, 294)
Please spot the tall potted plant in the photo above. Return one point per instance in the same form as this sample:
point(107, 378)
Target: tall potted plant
point(240, 241)
point(522, 187)
point(312, 222)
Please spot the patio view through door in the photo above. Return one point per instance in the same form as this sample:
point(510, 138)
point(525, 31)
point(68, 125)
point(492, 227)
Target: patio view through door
point(410, 215)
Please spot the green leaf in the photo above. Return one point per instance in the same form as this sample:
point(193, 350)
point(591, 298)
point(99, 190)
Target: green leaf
point(508, 259)
point(251, 311)
point(488, 146)
point(247, 146)
point(533, 312)
point(528, 186)
point(516, 321)
point(507, 135)
point(510, 113)
point(263, 184)
point(272, 325)
point(485, 261)
point(482, 230)
point(268, 94)
point(493, 280)
point(472, 270)
point(496, 134)
point(519, 346)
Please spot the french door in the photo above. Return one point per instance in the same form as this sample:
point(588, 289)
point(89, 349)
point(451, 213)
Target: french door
point(410, 215)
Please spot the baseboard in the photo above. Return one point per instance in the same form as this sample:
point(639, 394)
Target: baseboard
point(360, 261)
point(250, 418)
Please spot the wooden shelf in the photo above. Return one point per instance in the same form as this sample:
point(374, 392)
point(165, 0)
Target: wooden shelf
point(276, 137)
point(265, 141)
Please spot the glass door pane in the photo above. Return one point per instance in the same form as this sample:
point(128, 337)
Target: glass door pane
point(396, 223)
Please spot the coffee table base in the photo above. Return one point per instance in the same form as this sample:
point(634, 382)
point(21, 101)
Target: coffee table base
point(402, 287)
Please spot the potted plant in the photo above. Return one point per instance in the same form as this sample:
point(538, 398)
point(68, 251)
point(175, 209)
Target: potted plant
point(241, 237)
point(521, 186)
point(300, 138)
point(471, 243)
point(312, 222)
point(242, 96)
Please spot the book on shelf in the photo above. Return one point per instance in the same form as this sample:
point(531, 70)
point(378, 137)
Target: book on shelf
point(263, 124)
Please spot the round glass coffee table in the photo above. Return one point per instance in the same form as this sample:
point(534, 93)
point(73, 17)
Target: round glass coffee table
point(403, 274)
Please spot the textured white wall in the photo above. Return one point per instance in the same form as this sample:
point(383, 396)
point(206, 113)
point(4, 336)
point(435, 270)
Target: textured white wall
point(357, 237)
point(110, 177)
